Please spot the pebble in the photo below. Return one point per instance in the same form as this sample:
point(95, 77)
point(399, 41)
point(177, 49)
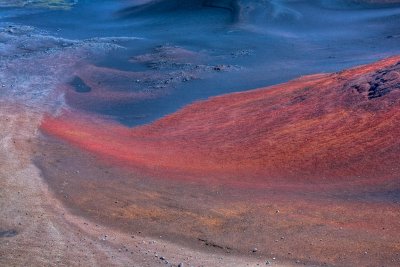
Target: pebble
point(254, 250)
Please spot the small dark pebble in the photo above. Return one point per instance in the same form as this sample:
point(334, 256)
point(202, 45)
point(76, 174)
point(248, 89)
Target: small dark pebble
point(8, 233)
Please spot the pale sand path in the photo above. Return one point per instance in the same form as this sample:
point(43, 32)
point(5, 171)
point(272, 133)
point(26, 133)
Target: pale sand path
point(49, 235)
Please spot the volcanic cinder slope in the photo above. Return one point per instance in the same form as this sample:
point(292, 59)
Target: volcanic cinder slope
point(329, 127)
point(305, 171)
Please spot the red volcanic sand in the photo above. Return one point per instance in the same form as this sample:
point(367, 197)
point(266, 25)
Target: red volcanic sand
point(326, 127)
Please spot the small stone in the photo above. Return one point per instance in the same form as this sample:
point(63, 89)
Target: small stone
point(162, 258)
point(254, 250)
point(181, 265)
point(267, 263)
point(8, 233)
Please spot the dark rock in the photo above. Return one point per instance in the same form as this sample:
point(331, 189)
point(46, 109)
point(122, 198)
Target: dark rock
point(8, 233)
point(79, 85)
point(378, 84)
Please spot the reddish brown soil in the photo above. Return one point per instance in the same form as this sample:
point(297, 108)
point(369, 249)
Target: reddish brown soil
point(329, 127)
point(305, 171)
